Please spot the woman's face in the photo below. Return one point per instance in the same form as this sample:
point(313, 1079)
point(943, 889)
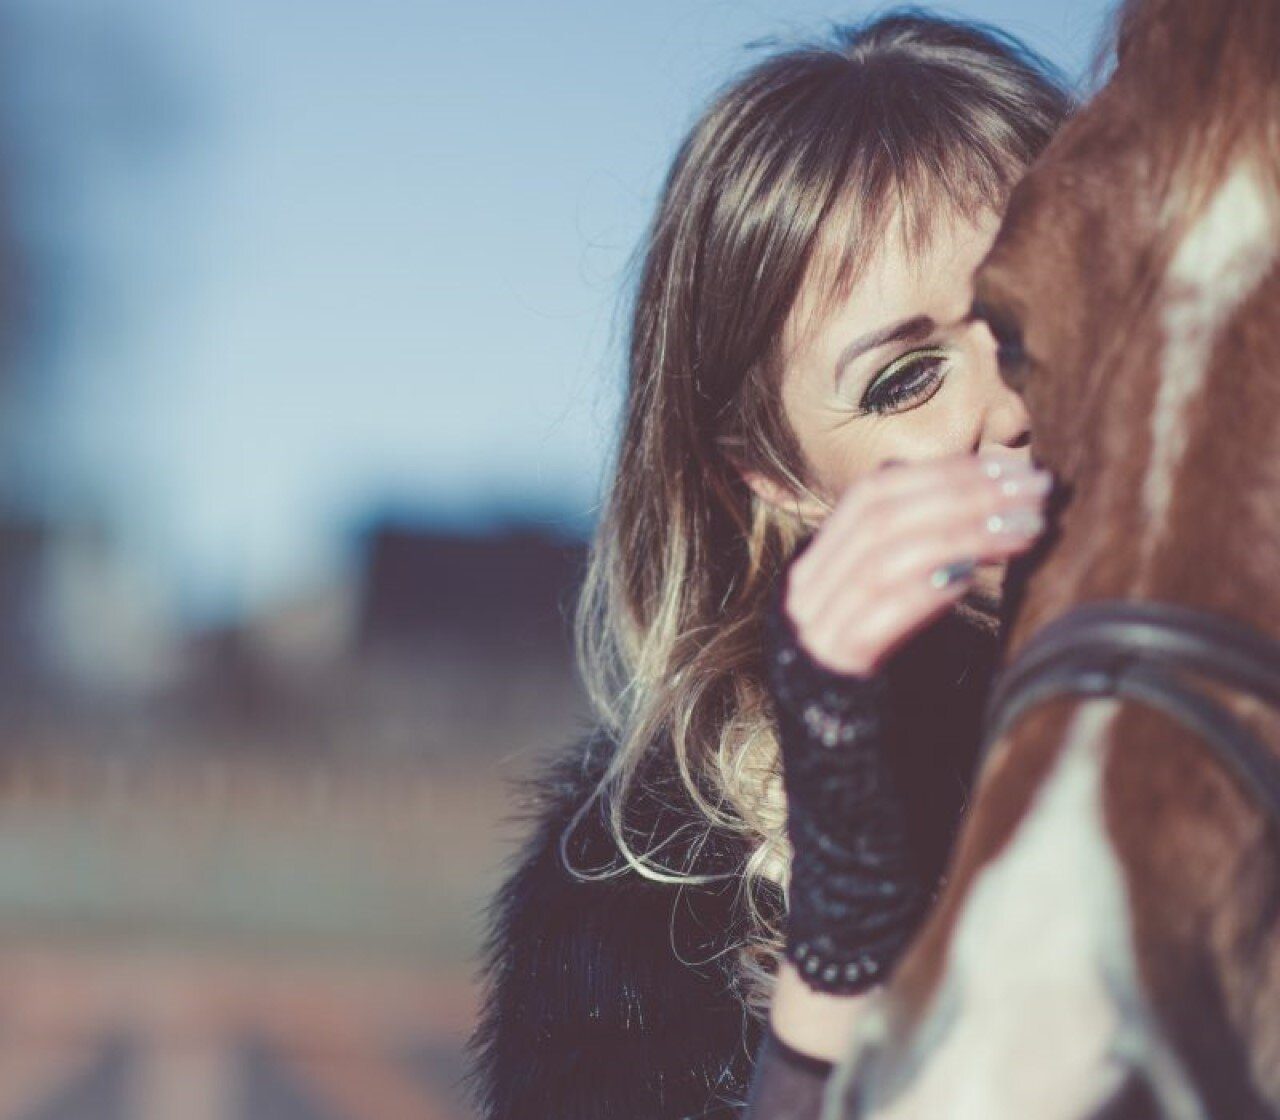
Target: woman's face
point(896, 370)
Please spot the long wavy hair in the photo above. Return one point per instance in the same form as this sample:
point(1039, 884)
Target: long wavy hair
point(788, 180)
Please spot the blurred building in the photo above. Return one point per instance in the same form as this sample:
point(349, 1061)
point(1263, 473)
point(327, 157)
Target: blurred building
point(245, 865)
point(513, 590)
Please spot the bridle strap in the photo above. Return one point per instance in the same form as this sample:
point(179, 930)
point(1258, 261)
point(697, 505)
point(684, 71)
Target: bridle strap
point(1140, 650)
point(1166, 633)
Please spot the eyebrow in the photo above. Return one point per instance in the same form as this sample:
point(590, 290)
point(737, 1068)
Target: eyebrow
point(908, 330)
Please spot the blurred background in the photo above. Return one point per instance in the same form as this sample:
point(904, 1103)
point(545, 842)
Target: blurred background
point(311, 316)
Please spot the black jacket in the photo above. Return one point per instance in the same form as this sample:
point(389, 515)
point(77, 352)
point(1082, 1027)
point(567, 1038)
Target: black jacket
point(617, 999)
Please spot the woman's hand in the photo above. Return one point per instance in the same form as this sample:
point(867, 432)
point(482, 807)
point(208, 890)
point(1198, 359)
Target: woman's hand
point(848, 597)
point(875, 572)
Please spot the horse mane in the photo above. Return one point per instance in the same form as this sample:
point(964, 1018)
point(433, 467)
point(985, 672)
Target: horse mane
point(1206, 78)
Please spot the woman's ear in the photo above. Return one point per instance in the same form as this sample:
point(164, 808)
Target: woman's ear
point(783, 499)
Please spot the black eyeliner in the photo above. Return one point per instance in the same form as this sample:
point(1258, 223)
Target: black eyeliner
point(908, 362)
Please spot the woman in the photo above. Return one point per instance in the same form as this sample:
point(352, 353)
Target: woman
point(787, 646)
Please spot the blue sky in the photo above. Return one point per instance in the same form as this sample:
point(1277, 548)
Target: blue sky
point(292, 261)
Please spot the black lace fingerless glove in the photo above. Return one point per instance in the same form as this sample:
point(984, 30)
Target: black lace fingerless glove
point(856, 896)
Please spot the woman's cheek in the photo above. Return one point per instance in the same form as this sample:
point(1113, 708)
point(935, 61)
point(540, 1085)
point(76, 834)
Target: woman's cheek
point(843, 458)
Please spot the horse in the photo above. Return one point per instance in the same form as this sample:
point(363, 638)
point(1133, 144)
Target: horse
point(1107, 938)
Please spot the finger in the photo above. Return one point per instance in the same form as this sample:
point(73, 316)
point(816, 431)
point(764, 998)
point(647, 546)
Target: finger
point(858, 637)
point(905, 564)
point(910, 562)
point(852, 627)
point(908, 610)
point(914, 555)
point(961, 509)
point(900, 487)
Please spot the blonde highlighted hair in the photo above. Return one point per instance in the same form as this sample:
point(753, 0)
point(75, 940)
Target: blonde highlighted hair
point(787, 181)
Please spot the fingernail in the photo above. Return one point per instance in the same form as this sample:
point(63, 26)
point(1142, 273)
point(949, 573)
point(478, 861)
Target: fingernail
point(944, 576)
point(1038, 482)
point(1016, 523)
point(1003, 468)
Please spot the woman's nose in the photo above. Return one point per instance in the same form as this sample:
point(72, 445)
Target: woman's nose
point(1007, 422)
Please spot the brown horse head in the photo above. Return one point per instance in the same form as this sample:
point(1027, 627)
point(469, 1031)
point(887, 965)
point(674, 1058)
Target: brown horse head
point(1108, 941)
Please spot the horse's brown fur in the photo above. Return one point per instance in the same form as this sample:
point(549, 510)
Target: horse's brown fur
point(1081, 265)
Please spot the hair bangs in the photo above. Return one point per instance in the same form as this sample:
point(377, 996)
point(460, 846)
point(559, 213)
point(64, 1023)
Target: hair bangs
point(906, 188)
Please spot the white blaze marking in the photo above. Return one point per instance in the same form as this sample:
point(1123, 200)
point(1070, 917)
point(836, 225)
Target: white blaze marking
point(1034, 959)
point(1219, 262)
point(1040, 1011)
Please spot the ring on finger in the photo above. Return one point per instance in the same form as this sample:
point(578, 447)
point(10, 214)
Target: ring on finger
point(947, 574)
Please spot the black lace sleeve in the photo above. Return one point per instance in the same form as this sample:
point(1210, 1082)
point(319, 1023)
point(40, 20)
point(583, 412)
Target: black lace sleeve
point(856, 893)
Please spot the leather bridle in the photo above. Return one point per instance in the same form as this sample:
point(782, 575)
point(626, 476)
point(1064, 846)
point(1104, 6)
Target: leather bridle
point(1145, 651)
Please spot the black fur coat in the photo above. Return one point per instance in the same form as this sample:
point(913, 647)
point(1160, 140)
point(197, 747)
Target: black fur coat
point(618, 999)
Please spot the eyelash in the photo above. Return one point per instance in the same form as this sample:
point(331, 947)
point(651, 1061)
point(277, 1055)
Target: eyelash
point(879, 401)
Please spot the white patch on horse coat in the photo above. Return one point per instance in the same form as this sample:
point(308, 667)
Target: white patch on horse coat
point(1220, 261)
point(1035, 961)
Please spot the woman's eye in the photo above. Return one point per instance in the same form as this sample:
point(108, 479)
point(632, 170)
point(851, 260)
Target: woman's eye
point(911, 380)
